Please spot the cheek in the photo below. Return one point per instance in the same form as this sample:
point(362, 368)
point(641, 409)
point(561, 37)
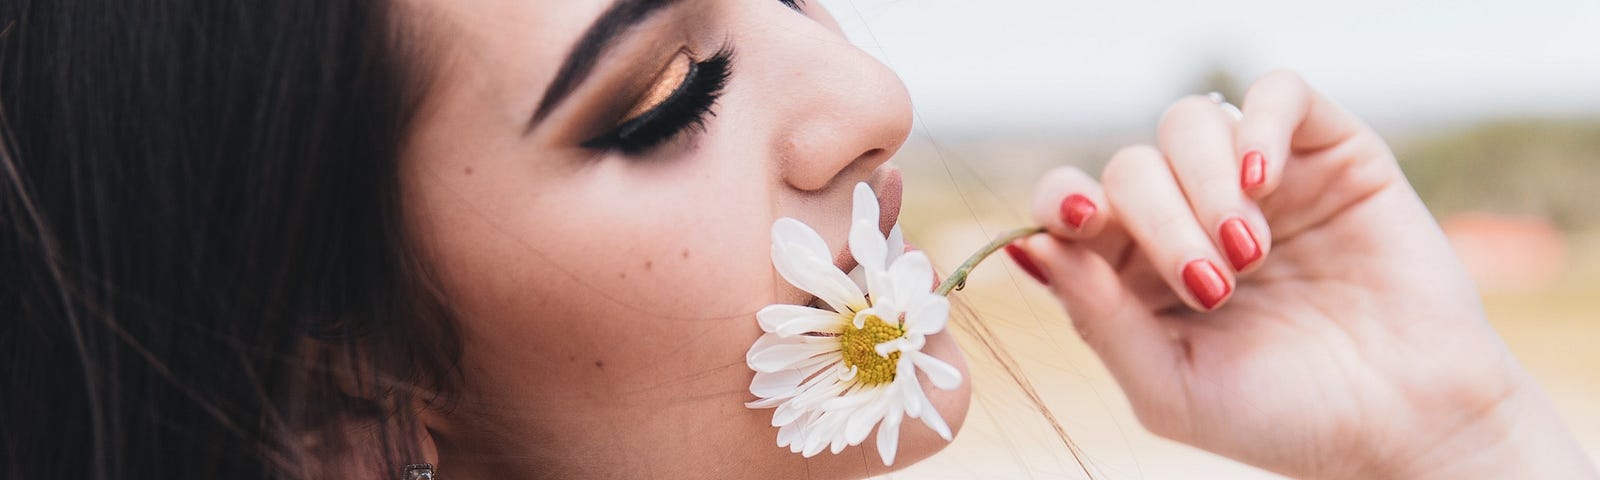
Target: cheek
point(634, 271)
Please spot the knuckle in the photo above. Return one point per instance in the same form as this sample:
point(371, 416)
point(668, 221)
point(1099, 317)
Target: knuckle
point(1281, 78)
point(1187, 108)
point(1127, 162)
point(1066, 175)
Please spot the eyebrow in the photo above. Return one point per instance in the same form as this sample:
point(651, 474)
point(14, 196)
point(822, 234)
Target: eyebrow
point(600, 37)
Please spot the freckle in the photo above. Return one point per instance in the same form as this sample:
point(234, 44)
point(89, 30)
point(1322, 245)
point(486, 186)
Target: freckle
point(649, 264)
point(685, 254)
point(468, 171)
point(599, 364)
point(622, 274)
point(572, 358)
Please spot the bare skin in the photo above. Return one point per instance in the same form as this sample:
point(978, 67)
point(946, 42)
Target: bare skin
point(607, 298)
point(1349, 343)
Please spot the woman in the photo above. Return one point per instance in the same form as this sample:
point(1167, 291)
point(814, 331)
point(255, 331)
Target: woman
point(526, 239)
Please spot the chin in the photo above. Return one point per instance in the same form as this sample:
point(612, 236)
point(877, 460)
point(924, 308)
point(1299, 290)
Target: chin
point(917, 441)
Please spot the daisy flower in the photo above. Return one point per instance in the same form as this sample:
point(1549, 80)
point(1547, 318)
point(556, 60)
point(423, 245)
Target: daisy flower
point(833, 374)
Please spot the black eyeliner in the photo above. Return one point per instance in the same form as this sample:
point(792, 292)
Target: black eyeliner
point(687, 107)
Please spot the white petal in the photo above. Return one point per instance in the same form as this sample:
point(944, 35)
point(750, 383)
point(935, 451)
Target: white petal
point(860, 320)
point(787, 434)
point(912, 278)
point(859, 275)
point(817, 276)
point(790, 231)
point(782, 356)
point(765, 403)
point(889, 437)
point(896, 244)
point(789, 382)
point(849, 401)
point(790, 320)
point(912, 343)
point(867, 245)
point(820, 388)
point(819, 435)
point(776, 384)
point(881, 287)
point(910, 389)
point(812, 393)
point(839, 441)
point(862, 420)
point(864, 205)
point(929, 316)
point(787, 413)
point(931, 417)
point(793, 434)
point(765, 341)
point(942, 375)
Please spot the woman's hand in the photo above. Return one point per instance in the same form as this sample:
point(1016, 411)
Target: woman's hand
point(1271, 289)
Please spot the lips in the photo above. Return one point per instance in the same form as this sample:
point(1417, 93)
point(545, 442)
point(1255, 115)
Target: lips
point(887, 183)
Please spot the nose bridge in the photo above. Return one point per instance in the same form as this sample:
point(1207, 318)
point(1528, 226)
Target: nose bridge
point(853, 113)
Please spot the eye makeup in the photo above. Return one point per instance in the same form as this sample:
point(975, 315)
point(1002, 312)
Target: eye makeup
point(680, 99)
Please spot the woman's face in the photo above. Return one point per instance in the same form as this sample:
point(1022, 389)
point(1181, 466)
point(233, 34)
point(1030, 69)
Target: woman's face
point(606, 279)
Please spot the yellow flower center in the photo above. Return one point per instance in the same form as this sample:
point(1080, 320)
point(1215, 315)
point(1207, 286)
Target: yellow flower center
point(859, 347)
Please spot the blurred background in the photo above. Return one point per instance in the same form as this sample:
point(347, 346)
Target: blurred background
point(1493, 108)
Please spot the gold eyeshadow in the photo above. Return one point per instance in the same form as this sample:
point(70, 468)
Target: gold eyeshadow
point(669, 80)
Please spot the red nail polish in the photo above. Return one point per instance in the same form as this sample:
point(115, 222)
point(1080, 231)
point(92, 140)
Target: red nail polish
point(1254, 171)
point(1239, 243)
point(1206, 283)
point(1022, 259)
point(1076, 210)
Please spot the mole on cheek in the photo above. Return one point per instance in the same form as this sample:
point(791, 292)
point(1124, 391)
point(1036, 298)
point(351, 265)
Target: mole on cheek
point(649, 264)
point(467, 171)
point(685, 254)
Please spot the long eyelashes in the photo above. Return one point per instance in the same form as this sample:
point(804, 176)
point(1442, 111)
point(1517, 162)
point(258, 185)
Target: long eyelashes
point(687, 107)
point(797, 5)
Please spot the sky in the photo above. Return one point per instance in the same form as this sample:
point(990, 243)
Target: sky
point(994, 66)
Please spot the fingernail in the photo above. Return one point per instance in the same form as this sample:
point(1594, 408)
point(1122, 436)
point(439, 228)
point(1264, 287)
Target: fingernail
point(1254, 171)
point(1076, 210)
point(1022, 259)
point(1206, 283)
point(1239, 243)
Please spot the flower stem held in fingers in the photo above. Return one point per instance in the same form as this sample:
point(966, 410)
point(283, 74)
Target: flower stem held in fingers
point(958, 279)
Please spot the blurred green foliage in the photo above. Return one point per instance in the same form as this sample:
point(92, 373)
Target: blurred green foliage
point(1544, 167)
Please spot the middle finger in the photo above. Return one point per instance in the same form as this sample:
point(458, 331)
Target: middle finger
point(1197, 137)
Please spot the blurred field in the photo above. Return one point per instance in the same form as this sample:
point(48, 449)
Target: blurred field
point(1540, 175)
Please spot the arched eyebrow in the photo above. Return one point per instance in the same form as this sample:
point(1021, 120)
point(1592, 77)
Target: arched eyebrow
point(600, 37)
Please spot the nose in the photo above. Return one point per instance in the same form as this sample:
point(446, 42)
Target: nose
point(847, 113)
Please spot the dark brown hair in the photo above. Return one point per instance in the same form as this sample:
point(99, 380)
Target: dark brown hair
point(203, 272)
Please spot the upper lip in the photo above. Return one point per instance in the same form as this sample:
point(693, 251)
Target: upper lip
point(888, 185)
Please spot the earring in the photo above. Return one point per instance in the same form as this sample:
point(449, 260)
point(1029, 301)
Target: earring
point(418, 471)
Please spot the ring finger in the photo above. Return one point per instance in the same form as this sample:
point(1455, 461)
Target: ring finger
point(1152, 208)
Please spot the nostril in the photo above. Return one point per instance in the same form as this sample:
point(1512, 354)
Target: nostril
point(872, 158)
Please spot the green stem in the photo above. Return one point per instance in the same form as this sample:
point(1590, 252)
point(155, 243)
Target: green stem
point(958, 278)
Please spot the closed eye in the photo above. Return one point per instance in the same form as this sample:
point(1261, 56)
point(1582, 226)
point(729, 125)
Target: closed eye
point(687, 107)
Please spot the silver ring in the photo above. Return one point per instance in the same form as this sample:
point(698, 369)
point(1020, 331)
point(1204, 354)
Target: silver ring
point(418, 471)
point(1221, 101)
